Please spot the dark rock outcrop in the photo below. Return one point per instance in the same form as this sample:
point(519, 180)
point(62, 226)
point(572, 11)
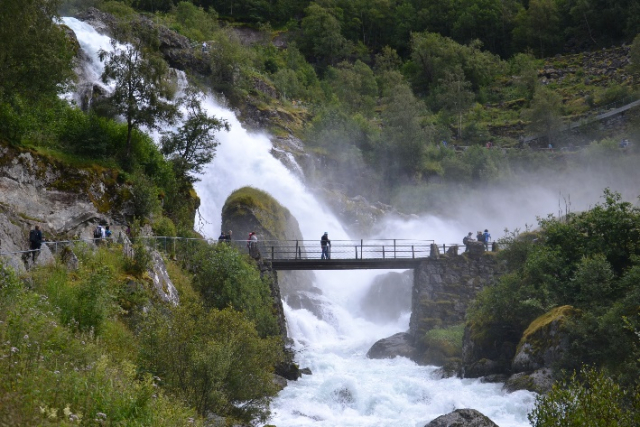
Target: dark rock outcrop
point(64, 201)
point(462, 418)
point(388, 297)
point(396, 345)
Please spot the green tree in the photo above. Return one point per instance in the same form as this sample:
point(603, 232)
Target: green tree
point(355, 85)
point(321, 39)
point(634, 52)
point(544, 114)
point(406, 132)
point(454, 94)
point(140, 88)
point(538, 27)
point(35, 54)
point(194, 144)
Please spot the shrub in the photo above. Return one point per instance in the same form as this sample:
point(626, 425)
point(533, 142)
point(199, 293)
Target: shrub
point(588, 399)
point(163, 226)
point(214, 359)
point(225, 278)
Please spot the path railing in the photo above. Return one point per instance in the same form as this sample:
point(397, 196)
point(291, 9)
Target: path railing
point(184, 247)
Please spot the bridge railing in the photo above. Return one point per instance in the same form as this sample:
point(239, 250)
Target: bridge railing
point(343, 249)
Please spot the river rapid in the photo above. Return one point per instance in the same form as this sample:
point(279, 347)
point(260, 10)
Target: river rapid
point(345, 389)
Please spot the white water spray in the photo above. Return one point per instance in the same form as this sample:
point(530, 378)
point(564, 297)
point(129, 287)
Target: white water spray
point(346, 389)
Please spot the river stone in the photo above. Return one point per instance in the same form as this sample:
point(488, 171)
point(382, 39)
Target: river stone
point(462, 418)
point(399, 344)
point(539, 381)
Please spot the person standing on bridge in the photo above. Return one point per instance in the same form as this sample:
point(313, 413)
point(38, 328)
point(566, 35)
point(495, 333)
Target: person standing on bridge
point(486, 238)
point(325, 244)
point(466, 240)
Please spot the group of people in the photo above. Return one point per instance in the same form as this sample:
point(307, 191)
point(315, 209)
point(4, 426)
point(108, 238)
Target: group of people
point(101, 232)
point(481, 236)
point(225, 237)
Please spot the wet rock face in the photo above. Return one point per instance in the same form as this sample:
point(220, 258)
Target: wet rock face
point(388, 297)
point(462, 418)
point(396, 345)
point(162, 284)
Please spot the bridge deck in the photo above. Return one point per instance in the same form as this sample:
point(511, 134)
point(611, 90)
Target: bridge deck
point(345, 254)
point(346, 264)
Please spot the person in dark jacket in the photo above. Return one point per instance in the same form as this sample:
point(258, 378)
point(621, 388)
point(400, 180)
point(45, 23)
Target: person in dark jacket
point(325, 244)
point(35, 241)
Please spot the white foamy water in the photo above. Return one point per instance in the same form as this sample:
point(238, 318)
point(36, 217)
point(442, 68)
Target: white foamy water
point(346, 389)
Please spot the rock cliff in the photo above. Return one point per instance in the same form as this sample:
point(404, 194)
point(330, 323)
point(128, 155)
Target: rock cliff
point(64, 201)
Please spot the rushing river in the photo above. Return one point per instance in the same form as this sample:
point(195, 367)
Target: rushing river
point(346, 388)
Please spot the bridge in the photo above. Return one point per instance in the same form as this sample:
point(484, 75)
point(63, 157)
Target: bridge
point(345, 254)
point(387, 254)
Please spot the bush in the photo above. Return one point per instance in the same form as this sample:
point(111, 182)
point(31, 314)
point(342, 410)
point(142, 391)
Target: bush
point(163, 226)
point(214, 360)
point(588, 399)
point(225, 278)
point(144, 196)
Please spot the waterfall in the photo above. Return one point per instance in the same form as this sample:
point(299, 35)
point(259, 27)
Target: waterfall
point(346, 389)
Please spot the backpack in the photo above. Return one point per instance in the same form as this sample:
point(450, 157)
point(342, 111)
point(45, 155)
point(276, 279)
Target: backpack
point(465, 240)
point(33, 236)
point(108, 233)
point(97, 233)
point(480, 237)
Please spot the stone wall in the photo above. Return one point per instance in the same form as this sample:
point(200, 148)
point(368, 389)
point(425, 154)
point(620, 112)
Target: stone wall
point(445, 286)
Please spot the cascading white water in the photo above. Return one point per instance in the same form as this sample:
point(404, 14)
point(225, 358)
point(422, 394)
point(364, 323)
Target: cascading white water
point(346, 388)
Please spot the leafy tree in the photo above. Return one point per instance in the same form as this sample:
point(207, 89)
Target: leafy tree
point(538, 27)
point(355, 86)
point(406, 132)
point(194, 144)
point(140, 88)
point(544, 115)
point(35, 54)
point(454, 94)
point(321, 38)
point(432, 56)
point(634, 52)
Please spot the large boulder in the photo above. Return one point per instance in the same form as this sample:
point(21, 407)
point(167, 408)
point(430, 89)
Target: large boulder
point(462, 418)
point(249, 209)
point(544, 342)
point(396, 345)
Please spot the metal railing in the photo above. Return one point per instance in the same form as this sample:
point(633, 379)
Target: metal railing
point(342, 249)
point(183, 247)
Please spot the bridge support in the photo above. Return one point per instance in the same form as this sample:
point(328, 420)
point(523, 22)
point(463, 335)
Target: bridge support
point(434, 251)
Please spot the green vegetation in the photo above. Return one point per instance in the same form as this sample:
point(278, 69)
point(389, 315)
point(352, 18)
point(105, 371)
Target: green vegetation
point(588, 398)
point(78, 348)
point(585, 261)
